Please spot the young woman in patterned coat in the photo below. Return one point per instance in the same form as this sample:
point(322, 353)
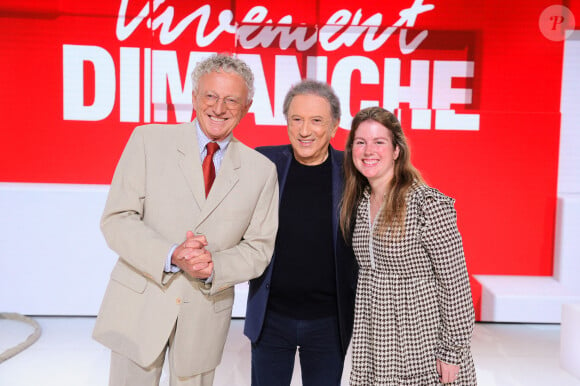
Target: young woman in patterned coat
point(414, 312)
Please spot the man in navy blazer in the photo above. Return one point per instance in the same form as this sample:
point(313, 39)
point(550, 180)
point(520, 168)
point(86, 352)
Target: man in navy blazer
point(305, 298)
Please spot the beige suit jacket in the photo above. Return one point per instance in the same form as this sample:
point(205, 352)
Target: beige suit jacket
point(156, 196)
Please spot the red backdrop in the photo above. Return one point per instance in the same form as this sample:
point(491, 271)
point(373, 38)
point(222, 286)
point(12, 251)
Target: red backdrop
point(77, 77)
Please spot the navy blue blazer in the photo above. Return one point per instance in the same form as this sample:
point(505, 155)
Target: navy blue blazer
point(344, 260)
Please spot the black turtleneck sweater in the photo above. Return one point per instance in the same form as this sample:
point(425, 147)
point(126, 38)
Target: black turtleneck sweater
point(303, 278)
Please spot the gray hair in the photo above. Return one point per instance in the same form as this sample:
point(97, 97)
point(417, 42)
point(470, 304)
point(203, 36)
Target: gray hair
point(225, 63)
point(313, 87)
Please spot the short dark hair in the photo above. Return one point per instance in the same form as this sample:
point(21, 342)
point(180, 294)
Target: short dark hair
point(313, 87)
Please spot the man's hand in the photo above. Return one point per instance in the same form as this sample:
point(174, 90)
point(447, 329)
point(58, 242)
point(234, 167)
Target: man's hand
point(192, 257)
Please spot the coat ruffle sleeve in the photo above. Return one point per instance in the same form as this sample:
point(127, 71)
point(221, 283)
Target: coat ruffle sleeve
point(442, 240)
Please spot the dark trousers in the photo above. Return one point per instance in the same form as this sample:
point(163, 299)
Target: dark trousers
point(318, 342)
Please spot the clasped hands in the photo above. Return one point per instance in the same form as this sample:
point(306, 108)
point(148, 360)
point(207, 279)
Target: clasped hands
point(192, 257)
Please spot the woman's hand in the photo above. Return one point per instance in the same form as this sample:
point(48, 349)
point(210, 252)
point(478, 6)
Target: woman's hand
point(447, 372)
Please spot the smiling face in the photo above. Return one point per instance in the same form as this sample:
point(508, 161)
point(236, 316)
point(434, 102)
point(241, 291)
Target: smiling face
point(310, 128)
point(373, 152)
point(220, 103)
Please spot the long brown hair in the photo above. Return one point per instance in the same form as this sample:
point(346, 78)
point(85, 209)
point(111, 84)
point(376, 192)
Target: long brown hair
point(405, 174)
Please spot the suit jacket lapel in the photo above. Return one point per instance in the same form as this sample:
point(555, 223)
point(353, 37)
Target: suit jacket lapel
point(283, 167)
point(336, 168)
point(225, 180)
point(190, 163)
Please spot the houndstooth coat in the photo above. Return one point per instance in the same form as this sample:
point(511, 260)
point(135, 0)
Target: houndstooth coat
point(413, 301)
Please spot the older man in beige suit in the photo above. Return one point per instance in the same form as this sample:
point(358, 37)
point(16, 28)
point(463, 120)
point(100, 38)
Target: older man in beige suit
point(183, 245)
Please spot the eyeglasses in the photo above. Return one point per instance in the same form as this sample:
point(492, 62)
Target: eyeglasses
point(231, 102)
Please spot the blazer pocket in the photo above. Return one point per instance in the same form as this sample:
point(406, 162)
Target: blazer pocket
point(224, 300)
point(128, 277)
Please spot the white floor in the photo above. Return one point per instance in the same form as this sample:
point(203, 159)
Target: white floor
point(65, 355)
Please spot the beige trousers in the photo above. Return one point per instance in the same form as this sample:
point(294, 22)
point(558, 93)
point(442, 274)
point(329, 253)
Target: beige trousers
point(125, 372)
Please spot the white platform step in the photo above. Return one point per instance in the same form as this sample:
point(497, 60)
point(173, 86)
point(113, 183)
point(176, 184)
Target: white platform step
point(539, 299)
point(570, 339)
point(523, 299)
